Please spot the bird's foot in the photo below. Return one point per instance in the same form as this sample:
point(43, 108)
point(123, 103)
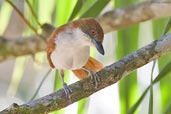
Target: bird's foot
point(67, 91)
point(95, 78)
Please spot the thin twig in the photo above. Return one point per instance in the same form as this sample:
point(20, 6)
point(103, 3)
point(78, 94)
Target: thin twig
point(26, 21)
point(37, 90)
point(33, 13)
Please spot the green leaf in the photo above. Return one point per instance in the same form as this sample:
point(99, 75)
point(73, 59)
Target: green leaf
point(160, 76)
point(124, 3)
point(150, 110)
point(16, 75)
point(45, 9)
point(163, 72)
point(168, 26)
point(165, 92)
point(77, 8)
point(82, 107)
point(127, 42)
point(95, 9)
point(135, 106)
point(5, 13)
point(86, 6)
point(168, 109)
point(63, 10)
point(57, 82)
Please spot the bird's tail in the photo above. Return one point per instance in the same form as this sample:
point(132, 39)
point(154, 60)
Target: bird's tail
point(91, 64)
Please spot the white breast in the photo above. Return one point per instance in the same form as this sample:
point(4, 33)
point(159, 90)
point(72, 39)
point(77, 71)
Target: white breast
point(72, 50)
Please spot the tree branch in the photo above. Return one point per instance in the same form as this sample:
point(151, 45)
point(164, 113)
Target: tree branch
point(84, 88)
point(112, 20)
point(124, 17)
point(24, 45)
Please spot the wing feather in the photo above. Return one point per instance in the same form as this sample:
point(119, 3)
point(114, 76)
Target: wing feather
point(92, 64)
point(51, 43)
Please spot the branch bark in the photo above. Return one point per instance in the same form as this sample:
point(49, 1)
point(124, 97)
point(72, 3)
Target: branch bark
point(110, 21)
point(84, 88)
point(124, 17)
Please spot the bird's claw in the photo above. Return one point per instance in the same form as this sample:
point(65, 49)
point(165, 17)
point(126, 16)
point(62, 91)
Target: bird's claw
point(95, 78)
point(67, 90)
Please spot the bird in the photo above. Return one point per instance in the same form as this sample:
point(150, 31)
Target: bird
point(68, 48)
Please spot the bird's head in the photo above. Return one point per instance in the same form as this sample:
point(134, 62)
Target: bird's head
point(93, 31)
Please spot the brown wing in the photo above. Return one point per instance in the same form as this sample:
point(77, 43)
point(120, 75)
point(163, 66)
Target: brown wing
point(51, 44)
point(50, 48)
point(92, 64)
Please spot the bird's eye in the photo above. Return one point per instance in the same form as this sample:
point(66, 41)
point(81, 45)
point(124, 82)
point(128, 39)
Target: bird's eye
point(93, 32)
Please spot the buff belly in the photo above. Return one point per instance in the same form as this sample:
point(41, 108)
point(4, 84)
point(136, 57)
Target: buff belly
point(70, 58)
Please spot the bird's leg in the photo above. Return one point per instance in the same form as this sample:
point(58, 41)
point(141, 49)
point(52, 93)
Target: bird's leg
point(93, 76)
point(66, 88)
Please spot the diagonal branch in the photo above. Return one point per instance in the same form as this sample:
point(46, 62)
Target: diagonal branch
point(84, 88)
point(110, 21)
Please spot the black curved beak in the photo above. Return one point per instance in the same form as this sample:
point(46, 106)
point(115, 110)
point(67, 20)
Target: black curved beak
point(98, 46)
